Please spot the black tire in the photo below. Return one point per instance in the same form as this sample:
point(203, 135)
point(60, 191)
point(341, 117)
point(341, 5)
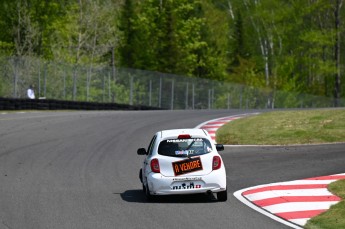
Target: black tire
point(144, 189)
point(222, 196)
point(148, 195)
point(141, 175)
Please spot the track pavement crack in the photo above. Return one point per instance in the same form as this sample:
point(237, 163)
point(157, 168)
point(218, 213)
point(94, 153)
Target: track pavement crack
point(4, 223)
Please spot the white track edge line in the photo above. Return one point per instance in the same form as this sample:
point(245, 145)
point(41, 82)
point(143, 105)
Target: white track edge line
point(238, 195)
point(232, 116)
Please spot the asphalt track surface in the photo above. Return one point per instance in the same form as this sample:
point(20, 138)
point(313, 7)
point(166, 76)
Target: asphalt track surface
point(80, 170)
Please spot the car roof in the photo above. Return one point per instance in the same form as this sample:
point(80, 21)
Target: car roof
point(173, 133)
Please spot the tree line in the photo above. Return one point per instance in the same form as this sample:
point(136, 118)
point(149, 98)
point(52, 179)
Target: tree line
point(290, 45)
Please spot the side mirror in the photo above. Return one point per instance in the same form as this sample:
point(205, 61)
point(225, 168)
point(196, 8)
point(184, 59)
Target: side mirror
point(141, 151)
point(219, 147)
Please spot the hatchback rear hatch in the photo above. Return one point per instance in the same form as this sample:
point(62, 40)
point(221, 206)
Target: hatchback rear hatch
point(185, 157)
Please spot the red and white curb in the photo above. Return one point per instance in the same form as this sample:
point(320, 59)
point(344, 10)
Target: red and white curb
point(212, 126)
point(292, 203)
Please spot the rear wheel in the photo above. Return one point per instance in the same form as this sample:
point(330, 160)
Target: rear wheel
point(146, 190)
point(222, 196)
point(148, 195)
point(141, 175)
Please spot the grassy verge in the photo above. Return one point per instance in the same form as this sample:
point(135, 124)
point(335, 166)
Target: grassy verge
point(286, 127)
point(334, 218)
point(295, 127)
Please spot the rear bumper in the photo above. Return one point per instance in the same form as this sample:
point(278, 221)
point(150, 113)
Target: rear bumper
point(161, 185)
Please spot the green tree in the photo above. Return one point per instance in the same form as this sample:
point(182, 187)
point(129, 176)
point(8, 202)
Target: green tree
point(168, 36)
point(126, 48)
point(27, 25)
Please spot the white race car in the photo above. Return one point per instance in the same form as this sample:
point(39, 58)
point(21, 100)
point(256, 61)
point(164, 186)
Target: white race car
point(183, 161)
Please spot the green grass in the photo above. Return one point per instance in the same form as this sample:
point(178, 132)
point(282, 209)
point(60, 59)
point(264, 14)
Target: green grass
point(285, 128)
point(295, 127)
point(334, 218)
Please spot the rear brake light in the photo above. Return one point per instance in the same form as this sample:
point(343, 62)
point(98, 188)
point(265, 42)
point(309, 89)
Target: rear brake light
point(155, 165)
point(184, 136)
point(217, 162)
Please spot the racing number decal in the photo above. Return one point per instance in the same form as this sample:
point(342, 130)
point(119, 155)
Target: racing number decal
point(187, 166)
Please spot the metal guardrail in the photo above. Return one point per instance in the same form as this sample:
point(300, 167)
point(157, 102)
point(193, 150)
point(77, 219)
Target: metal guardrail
point(52, 104)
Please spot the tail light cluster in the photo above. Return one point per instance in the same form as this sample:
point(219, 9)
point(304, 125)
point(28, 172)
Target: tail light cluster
point(155, 165)
point(217, 163)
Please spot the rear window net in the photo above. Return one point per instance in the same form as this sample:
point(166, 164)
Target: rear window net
point(184, 147)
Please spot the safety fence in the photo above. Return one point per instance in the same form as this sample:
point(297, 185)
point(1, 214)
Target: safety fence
point(107, 84)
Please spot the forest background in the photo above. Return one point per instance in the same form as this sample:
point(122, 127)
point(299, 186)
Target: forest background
point(291, 45)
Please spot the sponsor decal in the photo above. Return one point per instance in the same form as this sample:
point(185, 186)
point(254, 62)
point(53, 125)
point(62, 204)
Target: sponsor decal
point(186, 186)
point(187, 179)
point(184, 152)
point(187, 166)
point(185, 140)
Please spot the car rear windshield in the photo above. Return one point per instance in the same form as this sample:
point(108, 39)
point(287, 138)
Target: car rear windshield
point(184, 147)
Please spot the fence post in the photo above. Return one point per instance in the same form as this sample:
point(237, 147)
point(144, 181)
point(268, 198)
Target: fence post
point(39, 78)
point(15, 77)
point(187, 88)
point(212, 97)
point(103, 88)
point(45, 80)
point(150, 93)
point(193, 95)
point(113, 69)
point(64, 85)
point(74, 83)
point(209, 99)
point(172, 94)
point(241, 98)
point(229, 101)
point(109, 88)
point(160, 92)
point(131, 91)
